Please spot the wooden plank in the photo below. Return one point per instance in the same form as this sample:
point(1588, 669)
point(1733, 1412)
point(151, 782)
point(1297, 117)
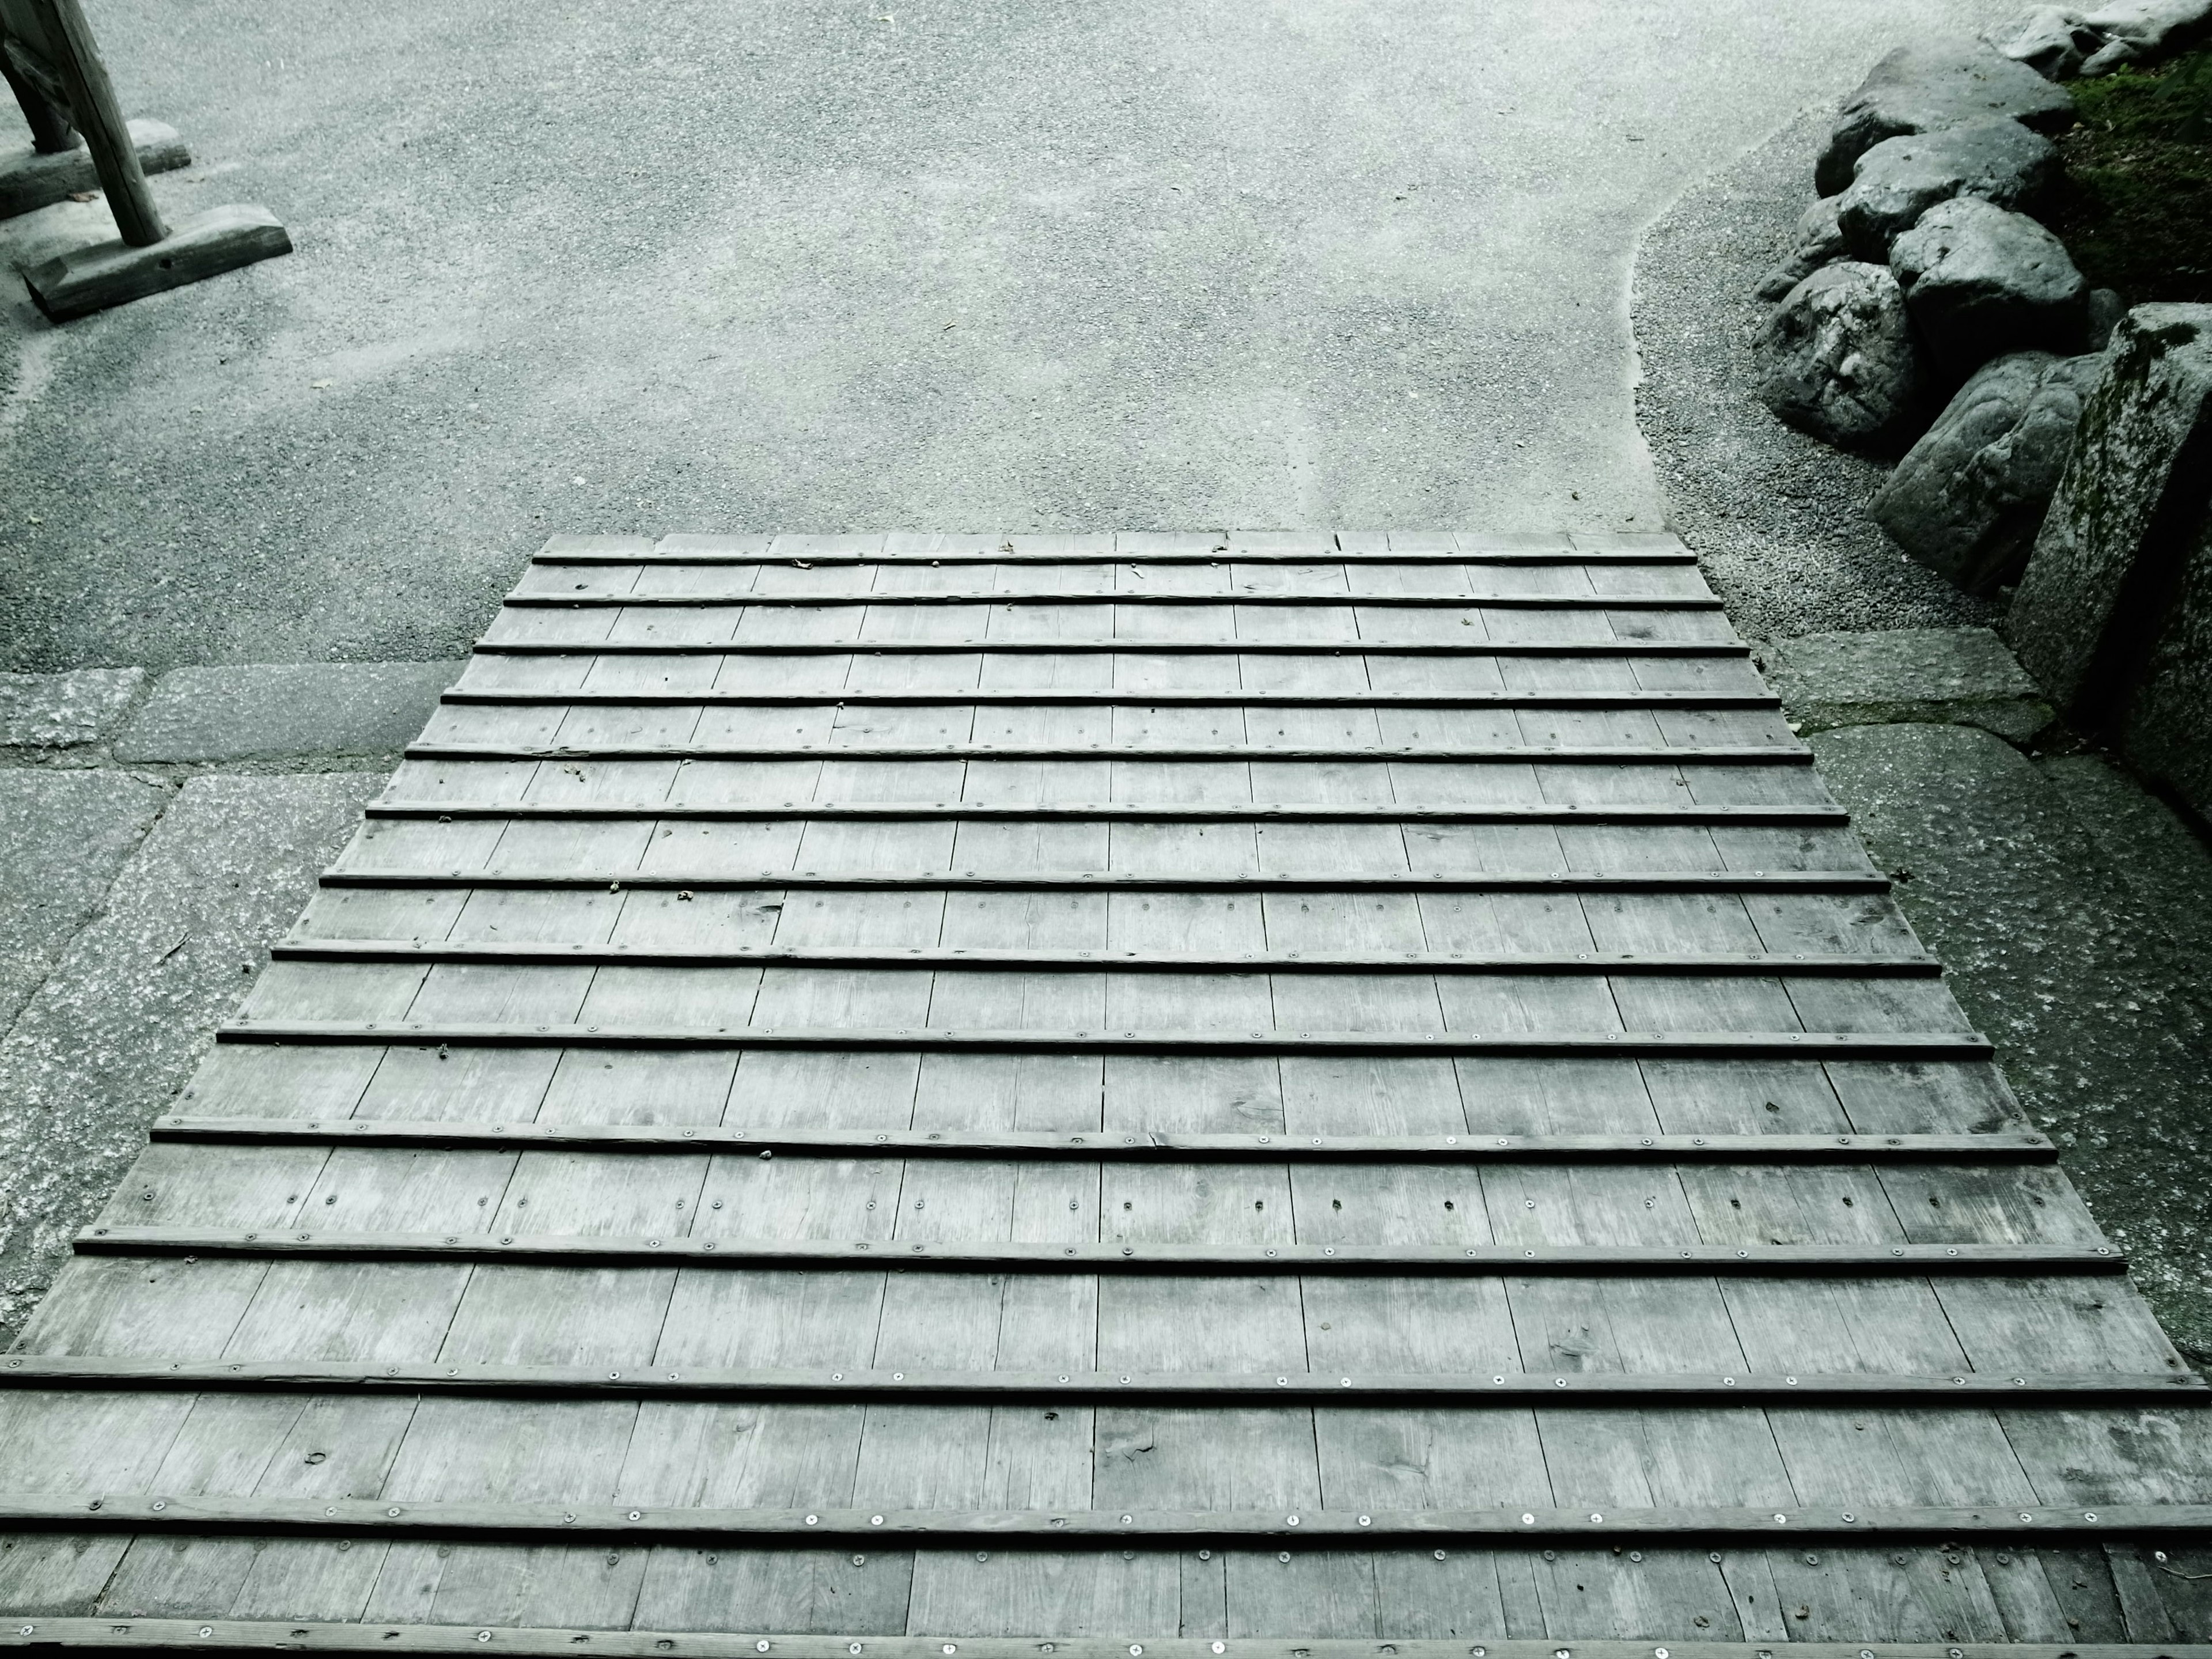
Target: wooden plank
point(1044, 1604)
point(375, 1517)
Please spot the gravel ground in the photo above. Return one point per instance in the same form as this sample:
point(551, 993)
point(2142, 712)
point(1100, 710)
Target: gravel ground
point(816, 265)
point(1780, 519)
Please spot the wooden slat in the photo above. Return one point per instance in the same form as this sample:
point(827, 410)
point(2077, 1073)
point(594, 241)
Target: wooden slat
point(1736, 754)
point(1841, 1045)
point(1808, 812)
point(461, 696)
point(1998, 1145)
point(1758, 1259)
point(1309, 1528)
point(1604, 1389)
point(1590, 881)
point(1799, 964)
point(1337, 596)
point(289, 1635)
point(1052, 645)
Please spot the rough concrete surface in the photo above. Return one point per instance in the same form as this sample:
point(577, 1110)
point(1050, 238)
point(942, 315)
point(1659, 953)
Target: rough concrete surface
point(62, 836)
point(1780, 518)
point(2078, 955)
point(58, 710)
point(1906, 674)
point(266, 710)
point(816, 265)
point(117, 1025)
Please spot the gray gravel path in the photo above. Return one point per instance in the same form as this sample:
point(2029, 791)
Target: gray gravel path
point(819, 264)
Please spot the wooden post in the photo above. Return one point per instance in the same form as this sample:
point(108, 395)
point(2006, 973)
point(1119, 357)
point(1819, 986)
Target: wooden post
point(51, 133)
point(92, 99)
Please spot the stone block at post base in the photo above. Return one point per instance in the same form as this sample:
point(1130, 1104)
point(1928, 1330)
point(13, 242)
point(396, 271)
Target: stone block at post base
point(113, 273)
point(30, 180)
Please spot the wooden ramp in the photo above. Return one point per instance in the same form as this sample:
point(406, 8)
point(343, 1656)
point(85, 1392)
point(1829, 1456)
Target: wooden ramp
point(1282, 1095)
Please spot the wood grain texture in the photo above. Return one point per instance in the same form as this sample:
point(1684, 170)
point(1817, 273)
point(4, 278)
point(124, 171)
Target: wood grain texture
point(1193, 1094)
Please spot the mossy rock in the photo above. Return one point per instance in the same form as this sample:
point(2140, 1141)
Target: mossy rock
point(2136, 209)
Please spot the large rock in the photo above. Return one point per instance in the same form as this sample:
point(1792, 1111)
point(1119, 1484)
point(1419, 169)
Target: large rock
point(1966, 500)
point(2138, 472)
point(1980, 281)
point(1819, 241)
point(1924, 89)
point(2054, 41)
point(1840, 360)
point(2141, 30)
point(1900, 178)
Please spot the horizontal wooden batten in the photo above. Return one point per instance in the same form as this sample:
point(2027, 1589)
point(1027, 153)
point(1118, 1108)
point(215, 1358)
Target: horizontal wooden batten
point(289, 1636)
point(1055, 881)
point(1519, 754)
point(1536, 550)
point(1656, 1045)
point(1810, 813)
point(716, 698)
point(1115, 1146)
point(842, 1255)
point(1969, 1390)
point(1039, 645)
point(1766, 964)
point(1332, 600)
point(1315, 1528)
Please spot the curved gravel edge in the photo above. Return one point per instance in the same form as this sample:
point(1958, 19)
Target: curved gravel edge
point(1779, 519)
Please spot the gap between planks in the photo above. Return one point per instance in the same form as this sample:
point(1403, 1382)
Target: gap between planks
point(1608, 1389)
point(1584, 881)
point(1639, 1045)
point(1810, 813)
point(1644, 755)
point(543, 1643)
point(1797, 965)
point(1331, 599)
point(357, 1516)
point(2021, 1145)
point(1705, 1260)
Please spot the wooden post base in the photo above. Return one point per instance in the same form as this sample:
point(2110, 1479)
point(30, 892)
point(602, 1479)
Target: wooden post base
point(113, 273)
point(30, 180)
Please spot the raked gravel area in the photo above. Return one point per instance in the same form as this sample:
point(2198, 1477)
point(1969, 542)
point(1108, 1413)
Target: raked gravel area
point(821, 265)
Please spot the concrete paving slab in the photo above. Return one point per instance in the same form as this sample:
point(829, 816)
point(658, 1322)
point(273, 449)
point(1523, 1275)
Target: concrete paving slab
point(1964, 675)
point(117, 1027)
point(52, 711)
point(261, 711)
point(2063, 947)
point(62, 836)
point(1046, 265)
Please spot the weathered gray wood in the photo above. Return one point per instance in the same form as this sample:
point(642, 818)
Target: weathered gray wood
point(882, 1086)
point(1543, 1256)
point(85, 279)
point(1084, 1145)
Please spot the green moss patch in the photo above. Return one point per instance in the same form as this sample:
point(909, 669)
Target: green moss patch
point(2136, 209)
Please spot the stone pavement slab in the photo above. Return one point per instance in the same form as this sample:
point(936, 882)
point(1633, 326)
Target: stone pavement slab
point(56, 710)
point(62, 836)
point(1961, 674)
point(263, 711)
point(115, 1028)
point(2068, 908)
